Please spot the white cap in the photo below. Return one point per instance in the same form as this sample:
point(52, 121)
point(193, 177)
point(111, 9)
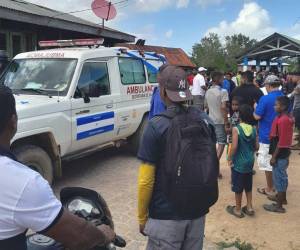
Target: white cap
point(202, 69)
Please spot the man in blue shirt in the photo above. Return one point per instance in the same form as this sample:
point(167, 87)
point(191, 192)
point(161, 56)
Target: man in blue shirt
point(228, 84)
point(265, 114)
point(157, 105)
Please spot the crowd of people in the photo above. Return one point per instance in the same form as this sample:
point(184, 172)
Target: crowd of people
point(253, 117)
point(178, 177)
point(260, 94)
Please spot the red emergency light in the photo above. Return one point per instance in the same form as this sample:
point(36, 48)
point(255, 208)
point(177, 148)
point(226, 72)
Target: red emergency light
point(72, 43)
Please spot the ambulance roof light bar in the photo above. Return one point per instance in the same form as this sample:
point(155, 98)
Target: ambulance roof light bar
point(72, 43)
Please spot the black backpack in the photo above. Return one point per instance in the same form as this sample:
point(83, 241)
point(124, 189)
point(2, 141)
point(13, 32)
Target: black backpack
point(190, 167)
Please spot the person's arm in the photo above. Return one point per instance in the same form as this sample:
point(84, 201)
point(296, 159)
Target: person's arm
point(148, 154)
point(202, 83)
point(260, 109)
point(224, 108)
point(256, 117)
point(39, 210)
point(234, 145)
point(77, 234)
point(145, 189)
point(274, 156)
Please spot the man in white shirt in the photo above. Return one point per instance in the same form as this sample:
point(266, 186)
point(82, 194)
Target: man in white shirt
point(199, 88)
point(27, 201)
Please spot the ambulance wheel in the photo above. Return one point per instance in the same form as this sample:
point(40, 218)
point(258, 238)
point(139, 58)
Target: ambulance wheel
point(134, 141)
point(37, 159)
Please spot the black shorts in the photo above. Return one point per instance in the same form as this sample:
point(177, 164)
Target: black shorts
point(297, 118)
point(241, 182)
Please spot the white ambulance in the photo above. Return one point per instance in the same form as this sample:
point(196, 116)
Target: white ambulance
point(73, 101)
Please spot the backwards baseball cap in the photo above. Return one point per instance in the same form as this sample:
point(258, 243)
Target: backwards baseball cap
point(173, 79)
point(202, 69)
point(272, 79)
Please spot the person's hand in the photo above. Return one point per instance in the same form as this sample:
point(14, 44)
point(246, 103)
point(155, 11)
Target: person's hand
point(142, 229)
point(110, 235)
point(230, 163)
point(255, 105)
point(273, 162)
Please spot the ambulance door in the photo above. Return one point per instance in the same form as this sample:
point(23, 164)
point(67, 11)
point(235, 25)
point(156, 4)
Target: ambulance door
point(93, 116)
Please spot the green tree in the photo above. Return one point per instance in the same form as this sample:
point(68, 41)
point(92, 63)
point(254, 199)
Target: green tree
point(214, 55)
point(234, 46)
point(209, 53)
point(294, 65)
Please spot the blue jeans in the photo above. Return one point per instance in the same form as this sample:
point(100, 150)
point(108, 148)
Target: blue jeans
point(280, 176)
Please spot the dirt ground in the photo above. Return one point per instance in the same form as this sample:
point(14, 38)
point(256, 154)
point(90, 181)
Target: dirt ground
point(113, 173)
point(266, 230)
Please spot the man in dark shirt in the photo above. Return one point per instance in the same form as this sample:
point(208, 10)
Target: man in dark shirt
point(158, 219)
point(249, 93)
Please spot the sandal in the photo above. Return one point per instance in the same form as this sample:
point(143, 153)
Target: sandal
point(274, 208)
point(231, 210)
point(263, 191)
point(250, 213)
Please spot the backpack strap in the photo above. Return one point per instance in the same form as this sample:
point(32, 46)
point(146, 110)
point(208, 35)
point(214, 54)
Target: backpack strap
point(171, 113)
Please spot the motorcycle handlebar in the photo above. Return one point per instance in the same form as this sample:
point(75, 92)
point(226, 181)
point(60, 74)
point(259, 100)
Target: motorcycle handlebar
point(119, 242)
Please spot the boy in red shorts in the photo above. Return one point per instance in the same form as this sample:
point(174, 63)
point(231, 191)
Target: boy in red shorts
point(281, 140)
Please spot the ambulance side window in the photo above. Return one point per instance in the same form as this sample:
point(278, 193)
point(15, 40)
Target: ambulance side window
point(132, 71)
point(152, 69)
point(94, 80)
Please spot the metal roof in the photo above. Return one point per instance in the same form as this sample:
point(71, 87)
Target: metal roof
point(175, 56)
point(10, 9)
point(274, 46)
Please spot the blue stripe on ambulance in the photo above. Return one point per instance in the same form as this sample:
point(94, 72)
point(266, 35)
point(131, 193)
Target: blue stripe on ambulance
point(93, 119)
point(94, 132)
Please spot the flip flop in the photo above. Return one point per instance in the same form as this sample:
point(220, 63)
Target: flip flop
point(263, 191)
point(274, 208)
point(247, 212)
point(231, 210)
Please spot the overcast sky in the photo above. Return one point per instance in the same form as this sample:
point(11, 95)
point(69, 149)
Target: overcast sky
point(181, 23)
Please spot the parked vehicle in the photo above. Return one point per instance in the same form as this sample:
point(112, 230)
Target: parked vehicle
point(73, 101)
point(86, 204)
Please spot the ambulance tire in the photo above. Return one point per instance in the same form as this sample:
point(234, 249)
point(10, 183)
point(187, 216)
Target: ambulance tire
point(134, 141)
point(37, 159)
